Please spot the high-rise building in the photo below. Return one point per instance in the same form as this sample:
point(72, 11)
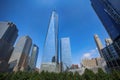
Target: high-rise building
point(8, 36)
point(33, 57)
point(114, 10)
point(108, 12)
point(115, 4)
point(50, 51)
point(19, 58)
point(66, 58)
point(111, 55)
point(99, 44)
point(101, 60)
point(8, 32)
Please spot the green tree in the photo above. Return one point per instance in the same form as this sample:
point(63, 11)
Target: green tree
point(77, 76)
point(115, 75)
point(3, 76)
point(101, 75)
point(89, 75)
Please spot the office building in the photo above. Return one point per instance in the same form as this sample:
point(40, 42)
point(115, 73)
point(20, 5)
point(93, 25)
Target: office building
point(8, 36)
point(33, 57)
point(108, 12)
point(111, 55)
point(8, 32)
point(94, 63)
point(50, 50)
point(89, 62)
point(74, 66)
point(66, 58)
point(114, 10)
point(19, 58)
point(99, 44)
point(115, 4)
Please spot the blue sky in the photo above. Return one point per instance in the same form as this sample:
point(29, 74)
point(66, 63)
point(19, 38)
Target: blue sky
point(77, 20)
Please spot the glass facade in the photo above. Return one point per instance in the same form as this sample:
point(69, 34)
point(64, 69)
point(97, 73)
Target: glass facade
point(110, 53)
point(33, 57)
point(19, 57)
point(50, 52)
point(8, 36)
point(8, 32)
point(115, 4)
point(107, 15)
point(65, 54)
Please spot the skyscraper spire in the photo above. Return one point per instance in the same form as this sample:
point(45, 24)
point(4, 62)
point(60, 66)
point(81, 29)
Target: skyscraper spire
point(50, 45)
point(50, 50)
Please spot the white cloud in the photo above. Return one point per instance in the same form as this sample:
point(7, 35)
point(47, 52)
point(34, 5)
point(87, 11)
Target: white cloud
point(86, 55)
point(90, 54)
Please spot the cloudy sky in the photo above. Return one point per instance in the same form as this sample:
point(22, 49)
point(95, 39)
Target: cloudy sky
point(77, 20)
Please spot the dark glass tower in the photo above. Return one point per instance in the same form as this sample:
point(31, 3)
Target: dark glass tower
point(8, 32)
point(8, 36)
point(50, 51)
point(115, 4)
point(109, 13)
point(109, 16)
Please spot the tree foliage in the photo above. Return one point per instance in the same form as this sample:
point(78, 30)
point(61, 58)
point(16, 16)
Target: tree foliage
point(88, 75)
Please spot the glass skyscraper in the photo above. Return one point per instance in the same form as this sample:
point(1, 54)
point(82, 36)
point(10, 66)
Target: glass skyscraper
point(50, 46)
point(8, 32)
point(109, 14)
point(50, 51)
point(19, 58)
point(33, 57)
point(110, 53)
point(8, 36)
point(65, 49)
point(115, 4)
